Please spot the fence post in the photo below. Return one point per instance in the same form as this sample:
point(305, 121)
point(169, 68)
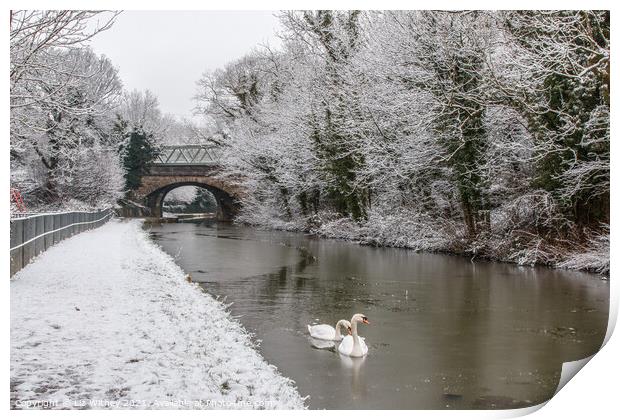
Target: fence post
point(68, 220)
point(65, 223)
point(39, 229)
point(29, 233)
point(69, 229)
point(48, 226)
point(57, 224)
point(17, 234)
point(73, 216)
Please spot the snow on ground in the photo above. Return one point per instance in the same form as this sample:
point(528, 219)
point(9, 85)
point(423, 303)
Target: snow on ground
point(106, 319)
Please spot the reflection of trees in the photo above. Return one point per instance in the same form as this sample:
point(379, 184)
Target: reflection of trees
point(490, 322)
point(328, 275)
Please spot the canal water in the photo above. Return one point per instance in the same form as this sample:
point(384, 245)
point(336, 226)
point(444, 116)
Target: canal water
point(444, 332)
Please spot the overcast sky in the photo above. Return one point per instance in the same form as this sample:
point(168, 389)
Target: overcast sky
point(167, 52)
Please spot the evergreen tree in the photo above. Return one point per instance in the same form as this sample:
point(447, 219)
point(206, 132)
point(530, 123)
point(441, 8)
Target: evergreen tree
point(203, 202)
point(138, 152)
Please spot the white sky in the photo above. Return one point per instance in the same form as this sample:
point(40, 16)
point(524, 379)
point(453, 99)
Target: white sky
point(167, 51)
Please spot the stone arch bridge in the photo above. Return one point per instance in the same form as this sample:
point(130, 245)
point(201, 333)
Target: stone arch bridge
point(178, 166)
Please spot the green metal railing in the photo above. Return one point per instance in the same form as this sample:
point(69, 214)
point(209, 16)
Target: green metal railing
point(32, 234)
point(194, 154)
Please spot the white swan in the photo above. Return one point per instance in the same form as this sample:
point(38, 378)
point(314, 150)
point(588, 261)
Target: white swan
point(353, 345)
point(327, 332)
point(321, 344)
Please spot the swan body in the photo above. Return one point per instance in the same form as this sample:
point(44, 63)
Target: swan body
point(322, 344)
point(346, 346)
point(327, 332)
point(354, 345)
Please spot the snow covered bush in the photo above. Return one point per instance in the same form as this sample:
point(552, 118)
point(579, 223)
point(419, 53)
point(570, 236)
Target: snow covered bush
point(592, 256)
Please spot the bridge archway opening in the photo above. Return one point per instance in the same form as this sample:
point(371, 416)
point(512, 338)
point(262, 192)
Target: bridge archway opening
point(189, 199)
point(225, 206)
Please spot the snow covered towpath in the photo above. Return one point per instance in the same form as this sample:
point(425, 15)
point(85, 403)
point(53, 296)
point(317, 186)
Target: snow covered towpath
point(106, 319)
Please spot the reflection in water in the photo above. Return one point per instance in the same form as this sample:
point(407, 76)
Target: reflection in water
point(445, 333)
point(359, 389)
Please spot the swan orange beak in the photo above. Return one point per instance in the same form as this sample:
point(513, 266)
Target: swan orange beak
point(349, 330)
point(365, 321)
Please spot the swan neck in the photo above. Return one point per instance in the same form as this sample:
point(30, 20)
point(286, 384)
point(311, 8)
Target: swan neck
point(357, 348)
point(338, 336)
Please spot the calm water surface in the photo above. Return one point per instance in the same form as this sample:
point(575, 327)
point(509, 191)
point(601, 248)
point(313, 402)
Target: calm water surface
point(444, 333)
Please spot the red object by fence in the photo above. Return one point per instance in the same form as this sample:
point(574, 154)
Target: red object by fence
point(16, 197)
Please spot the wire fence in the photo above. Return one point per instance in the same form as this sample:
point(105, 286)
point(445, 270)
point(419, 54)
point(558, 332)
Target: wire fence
point(32, 234)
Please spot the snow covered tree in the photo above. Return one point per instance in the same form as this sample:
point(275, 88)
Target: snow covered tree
point(231, 92)
point(140, 110)
point(478, 132)
point(435, 64)
point(333, 39)
point(48, 60)
point(62, 97)
point(138, 151)
point(563, 94)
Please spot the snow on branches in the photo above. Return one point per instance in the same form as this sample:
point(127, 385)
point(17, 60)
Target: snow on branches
point(61, 99)
point(482, 133)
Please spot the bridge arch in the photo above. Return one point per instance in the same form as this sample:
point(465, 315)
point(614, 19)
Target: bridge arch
point(227, 205)
point(195, 165)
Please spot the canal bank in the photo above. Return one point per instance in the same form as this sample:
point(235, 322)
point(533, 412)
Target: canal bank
point(410, 231)
point(106, 319)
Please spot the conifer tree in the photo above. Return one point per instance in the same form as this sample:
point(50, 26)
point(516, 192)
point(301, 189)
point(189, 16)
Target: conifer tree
point(138, 152)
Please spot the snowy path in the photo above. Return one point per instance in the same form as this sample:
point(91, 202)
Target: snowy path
point(106, 319)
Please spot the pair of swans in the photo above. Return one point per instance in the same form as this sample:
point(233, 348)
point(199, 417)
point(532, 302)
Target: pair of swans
point(352, 345)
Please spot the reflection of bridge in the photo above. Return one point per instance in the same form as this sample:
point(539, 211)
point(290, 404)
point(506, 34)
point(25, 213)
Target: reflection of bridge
point(197, 165)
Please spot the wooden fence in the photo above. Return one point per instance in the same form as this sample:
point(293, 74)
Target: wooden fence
point(32, 234)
